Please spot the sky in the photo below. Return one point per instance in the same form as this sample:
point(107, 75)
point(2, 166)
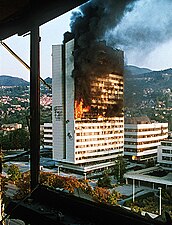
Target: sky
point(144, 33)
point(51, 34)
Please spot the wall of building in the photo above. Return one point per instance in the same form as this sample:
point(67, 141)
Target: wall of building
point(100, 140)
point(142, 140)
point(70, 99)
point(58, 115)
point(48, 135)
point(164, 156)
point(93, 140)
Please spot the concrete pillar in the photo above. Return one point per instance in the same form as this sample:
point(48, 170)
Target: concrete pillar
point(34, 107)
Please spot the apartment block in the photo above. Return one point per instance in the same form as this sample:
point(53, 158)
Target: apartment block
point(48, 136)
point(142, 138)
point(88, 132)
point(164, 157)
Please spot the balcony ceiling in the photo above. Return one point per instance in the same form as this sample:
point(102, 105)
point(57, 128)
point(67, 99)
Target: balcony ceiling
point(19, 16)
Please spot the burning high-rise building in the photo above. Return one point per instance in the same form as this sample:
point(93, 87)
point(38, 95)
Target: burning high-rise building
point(88, 122)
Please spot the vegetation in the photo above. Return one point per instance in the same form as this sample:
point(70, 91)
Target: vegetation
point(19, 96)
point(14, 173)
point(119, 169)
point(105, 180)
point(150, 203)
point(22, 181)
point(17, 139)
point(149, 93)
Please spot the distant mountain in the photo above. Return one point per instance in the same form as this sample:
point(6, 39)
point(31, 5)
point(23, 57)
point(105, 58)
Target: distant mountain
point(147, 86)
point(134, 70)
point(12, 81)
point(154, 79)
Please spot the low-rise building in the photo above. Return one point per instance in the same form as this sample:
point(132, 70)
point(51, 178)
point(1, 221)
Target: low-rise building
point(142, 138)
point(164, 156)
point(48, 136)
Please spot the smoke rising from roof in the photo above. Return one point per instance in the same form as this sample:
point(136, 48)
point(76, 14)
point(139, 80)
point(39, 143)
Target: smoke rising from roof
point(89, 26)
point(92, 57)
point(97, 17)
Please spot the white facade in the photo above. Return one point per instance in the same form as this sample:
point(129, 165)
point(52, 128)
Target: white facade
point(48, 136)
point(142, 140)
point(58, 103)
point(84, 143)
point(69, 106)
point(164, 157)
point(99, 140)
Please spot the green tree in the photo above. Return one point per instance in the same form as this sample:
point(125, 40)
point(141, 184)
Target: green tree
point(16, 139)
point(114, 197)
point(105, 180)
point(119, 169)
point(14, 173)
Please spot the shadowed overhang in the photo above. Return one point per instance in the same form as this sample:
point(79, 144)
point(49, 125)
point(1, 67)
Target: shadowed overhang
point(18, 16)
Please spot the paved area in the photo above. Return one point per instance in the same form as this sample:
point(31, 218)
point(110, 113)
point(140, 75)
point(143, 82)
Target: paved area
point(11, 190)
point(127, 189)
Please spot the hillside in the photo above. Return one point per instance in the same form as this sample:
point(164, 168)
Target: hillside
point(134, 70)
point(12, 81)
point(146, 86)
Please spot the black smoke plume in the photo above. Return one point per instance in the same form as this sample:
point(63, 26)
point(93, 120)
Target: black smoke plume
point(92, 56)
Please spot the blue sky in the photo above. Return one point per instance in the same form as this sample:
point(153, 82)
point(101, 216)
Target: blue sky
point(153, 50)
point(51, 34)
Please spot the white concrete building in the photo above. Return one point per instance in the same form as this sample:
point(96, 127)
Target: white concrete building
point(164, 157)
point(48, 136)
point(85, 138)
point(142, 138)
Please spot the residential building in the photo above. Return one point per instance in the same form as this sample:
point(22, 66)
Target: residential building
point(164, 157)
point(48, 136)
point(86, 137)
point(142, 138)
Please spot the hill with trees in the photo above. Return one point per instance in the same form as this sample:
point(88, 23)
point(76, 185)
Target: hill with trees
point(6, 80)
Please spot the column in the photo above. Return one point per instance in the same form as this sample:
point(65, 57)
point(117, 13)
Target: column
point(34, 107)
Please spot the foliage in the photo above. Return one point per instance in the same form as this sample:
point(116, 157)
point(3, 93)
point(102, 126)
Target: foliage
point(119, 169)
point(16, 139)
point(23, 185)
point(98, 194)
point(114, 197)
point(105, 180)
point(85, 186)
point(20, 96)
point(101, 194)
point(104, 195)
point(150, 203)
point(3, 181)
point(45, 115)
point(136, 208)
point(14, 173)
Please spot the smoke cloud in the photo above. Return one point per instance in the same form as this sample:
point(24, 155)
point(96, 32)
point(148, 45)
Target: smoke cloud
point(90, 26)
point(92, 56)
point(101, 27)
point(97, 17)
point(142, 29)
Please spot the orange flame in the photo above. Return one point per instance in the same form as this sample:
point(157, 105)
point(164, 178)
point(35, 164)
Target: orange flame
point(79, 110)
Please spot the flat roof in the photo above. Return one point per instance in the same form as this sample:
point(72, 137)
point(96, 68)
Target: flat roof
point(142, 175)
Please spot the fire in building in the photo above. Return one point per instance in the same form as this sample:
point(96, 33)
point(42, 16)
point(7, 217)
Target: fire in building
point(88, 121)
